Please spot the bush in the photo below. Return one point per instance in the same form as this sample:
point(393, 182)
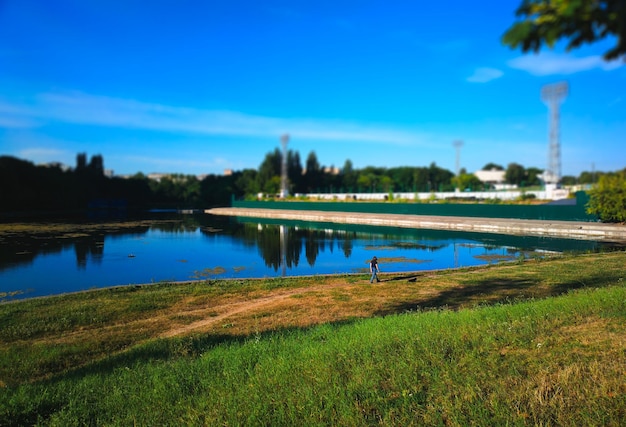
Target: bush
point(526, 196)
point(608, 199)
point(493, 201)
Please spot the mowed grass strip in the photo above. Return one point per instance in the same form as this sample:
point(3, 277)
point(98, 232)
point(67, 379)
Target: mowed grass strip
point(533, 343)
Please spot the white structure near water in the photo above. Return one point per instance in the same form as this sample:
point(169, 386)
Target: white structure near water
point(495, 178)
point(550, 193)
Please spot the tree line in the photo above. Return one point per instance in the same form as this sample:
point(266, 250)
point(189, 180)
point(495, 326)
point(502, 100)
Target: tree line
point(27, 187)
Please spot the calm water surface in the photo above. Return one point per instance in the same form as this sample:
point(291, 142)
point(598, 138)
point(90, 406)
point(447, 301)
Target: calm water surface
point(189, 247)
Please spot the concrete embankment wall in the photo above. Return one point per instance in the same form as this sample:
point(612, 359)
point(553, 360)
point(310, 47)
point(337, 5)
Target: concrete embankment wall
point(573, 212)
point(544, 228)
point(523, 220)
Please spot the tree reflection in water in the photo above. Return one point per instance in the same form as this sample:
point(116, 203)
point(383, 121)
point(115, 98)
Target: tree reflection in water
point(281, 246)
point(89, 248)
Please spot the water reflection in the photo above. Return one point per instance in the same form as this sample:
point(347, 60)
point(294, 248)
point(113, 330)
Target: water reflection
point(22, 248)
point(92, 249)
point(63, 257)
point(281, 245)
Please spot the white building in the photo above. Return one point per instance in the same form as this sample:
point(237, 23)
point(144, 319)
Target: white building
point(494, 178)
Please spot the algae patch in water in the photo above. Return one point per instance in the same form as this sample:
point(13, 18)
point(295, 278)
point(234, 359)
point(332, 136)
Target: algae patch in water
point(208, 272)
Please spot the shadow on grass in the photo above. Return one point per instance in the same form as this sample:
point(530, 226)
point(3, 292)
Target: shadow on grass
point(489, 291)
point(492, 291)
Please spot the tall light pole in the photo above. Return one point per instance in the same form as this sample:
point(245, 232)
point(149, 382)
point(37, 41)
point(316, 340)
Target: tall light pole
point(457, 145)
point(283, 178)
point(553, 95)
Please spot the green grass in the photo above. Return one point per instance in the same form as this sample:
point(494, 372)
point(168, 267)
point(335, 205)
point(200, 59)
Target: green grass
point(556, 361)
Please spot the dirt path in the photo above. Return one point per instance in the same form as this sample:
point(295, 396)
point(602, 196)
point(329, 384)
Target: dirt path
point(245, 307)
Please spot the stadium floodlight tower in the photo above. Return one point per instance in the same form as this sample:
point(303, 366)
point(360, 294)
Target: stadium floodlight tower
point(553, 95)
point(284, 192)
point(457, 145)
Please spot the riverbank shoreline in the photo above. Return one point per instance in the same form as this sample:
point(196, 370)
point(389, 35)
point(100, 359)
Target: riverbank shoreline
point(521, 227)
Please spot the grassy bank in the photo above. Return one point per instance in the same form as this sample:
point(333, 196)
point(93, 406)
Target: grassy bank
point(540, 342)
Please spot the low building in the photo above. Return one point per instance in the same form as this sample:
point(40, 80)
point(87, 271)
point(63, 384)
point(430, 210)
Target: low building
point(495, 178)
point(492, 176)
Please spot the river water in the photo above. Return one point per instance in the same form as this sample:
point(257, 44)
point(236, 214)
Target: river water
point(69, 256)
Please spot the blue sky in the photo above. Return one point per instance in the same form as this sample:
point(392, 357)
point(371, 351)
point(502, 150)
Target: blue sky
point(197, 87)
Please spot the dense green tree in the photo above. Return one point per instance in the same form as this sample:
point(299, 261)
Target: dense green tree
point(164, 190)
point(578, 21)
point(272, 186)
point(312, 164)
point(533, 176)
point(439, 179)
point(386, 184)
point(421, 180)
point(191, 191)
point(294, 172)
point(515, 174)
point(348, 176)
point(217, 190)
point(139, 176)
point(312, 174)
point(246, 183)
point(269, 170)
point(331, 181)
point(587, 177)
point(467, 181)
point(608, 198)
point(370, 179)
point(366, 183)
point(177, 190)
point(403, 178)
point(134, 190)
point(96, 165)
point(492, 166)
point(81, 161)
point(569, 180)
point(26, 187)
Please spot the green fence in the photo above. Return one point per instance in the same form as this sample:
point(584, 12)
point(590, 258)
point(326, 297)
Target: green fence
point(556, 212)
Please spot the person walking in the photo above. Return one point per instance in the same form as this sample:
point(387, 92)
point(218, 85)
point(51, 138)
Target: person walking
point(374, 270)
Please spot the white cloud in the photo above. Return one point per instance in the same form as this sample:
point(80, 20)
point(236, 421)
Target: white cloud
point(547, 63)
point(41, 152)
point(13, 116)
point(484, 75)
point(80, 108)
point(16, 123)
